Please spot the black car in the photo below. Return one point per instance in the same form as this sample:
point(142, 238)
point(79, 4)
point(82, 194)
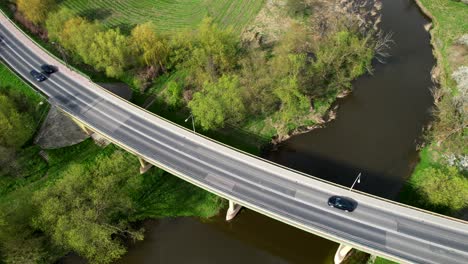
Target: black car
point(38, 76)
point(342, 203)
point(49, 69)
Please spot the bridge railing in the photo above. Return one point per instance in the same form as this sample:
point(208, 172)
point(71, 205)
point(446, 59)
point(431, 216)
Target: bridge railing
point(4, 14)
point(88, 79)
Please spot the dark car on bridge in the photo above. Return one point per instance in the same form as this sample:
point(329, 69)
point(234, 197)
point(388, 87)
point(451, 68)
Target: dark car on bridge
point(342, 203)
point(48, 69)
point(38, 76)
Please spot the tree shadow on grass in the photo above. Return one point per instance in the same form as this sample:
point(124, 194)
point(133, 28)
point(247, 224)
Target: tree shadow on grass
point(125, 28)
point(96, 13)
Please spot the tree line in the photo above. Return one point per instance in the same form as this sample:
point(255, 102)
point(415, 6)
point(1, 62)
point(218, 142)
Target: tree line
point(224, 80)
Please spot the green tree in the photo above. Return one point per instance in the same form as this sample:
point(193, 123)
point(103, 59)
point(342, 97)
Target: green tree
point(35, 10)
point(152, 48)
point(173, 94)
point(55, 23)
point(87, 209)
point(218, 102)
point(444, 187)
point(77, 35)
point(294, 103)
point(19, 243)
point(339, 60)
point(109, 51)
point(292, 56)
point(15, 127)
point(180, 46)
point(213, 53)
point(258, 83)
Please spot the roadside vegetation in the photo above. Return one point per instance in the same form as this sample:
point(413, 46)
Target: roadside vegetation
point(81, 198)
point(268, 90)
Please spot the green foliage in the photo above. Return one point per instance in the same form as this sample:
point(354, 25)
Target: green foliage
point(83, 210)
point(152, 48)
point(296, 41)
point(258, 83)
point(56, 21)
point(15, 127)
point(78, 34)
point(214, 52)
point(293, 103)
point(24, 97)
point(35, 10)
point(19, 244)
point(444, 187)
point(160, 194)
point(380, 260)
point(173, 94)
point(436, 185)
point(450, 24)
point(340, 59)
point(109, 52)
point(181, 45)
point(106, 50)
point(218, 103)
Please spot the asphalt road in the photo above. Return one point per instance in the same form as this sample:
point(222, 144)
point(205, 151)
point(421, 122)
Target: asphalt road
point(376, 226)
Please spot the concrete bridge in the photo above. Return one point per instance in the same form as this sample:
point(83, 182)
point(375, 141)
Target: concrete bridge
point(377, 226)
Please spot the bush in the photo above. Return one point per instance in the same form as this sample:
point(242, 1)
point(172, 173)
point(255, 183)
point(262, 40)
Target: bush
point(443, 187)
point(15, 127)
point(218, 103)
point(35, 10)
point(87, 210)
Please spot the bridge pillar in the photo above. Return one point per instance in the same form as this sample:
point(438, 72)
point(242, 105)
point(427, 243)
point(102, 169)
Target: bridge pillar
point(232, 210)
point(145, 166)
point(341, 253)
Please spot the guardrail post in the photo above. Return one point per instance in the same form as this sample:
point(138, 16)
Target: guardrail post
point(341, 253)
point(232, 210)
point(145, 166)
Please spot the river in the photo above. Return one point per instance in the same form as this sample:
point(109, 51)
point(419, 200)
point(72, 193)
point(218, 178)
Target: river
point(376, 133)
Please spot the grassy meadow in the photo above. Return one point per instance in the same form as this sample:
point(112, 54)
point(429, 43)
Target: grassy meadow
point(167, 15)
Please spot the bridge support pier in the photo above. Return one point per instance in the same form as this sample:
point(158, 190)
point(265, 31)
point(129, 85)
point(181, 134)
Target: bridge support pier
point(341, 253)
point(145, 166)
point(232, 210)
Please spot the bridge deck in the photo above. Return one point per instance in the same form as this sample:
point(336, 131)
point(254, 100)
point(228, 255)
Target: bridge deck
point(377, 226)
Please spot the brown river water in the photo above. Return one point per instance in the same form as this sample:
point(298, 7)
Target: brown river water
point(376, 132)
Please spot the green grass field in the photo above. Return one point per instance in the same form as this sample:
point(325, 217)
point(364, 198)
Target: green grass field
point(167, 15)
point(451, 23)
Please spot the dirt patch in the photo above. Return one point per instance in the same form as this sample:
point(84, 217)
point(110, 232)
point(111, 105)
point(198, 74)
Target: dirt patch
point(269, 25)
point(458, 55)
point(273, 20)
point(59, 131)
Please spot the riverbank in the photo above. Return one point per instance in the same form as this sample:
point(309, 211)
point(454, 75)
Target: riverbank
point(439, 181)
point(444, 154)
